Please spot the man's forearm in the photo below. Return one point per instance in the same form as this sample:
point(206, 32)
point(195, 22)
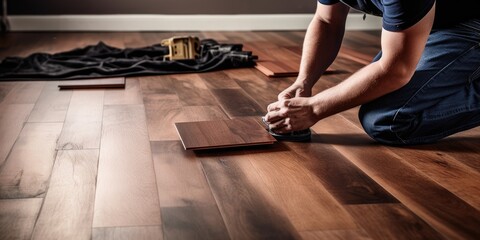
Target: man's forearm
point(320, 47)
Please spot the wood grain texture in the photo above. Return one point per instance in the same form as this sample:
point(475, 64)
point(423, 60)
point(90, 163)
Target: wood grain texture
point(359, 234)
point(24, 92)
point(67, 211)
point(92, 83)
point(18, 216)
point(126, 193)
point(313, 207)
point(131, 94)
point(441, 209)
point(187, 205)
point(83, 123)
point(392, 221)
point(52, 105)
point(218, 80)
point(237, 103)
point(12, 119)
point(223, 133)
point(341, 178)
point(127, 233)
point(192, 91)
point(26, 172)
point(248, 213)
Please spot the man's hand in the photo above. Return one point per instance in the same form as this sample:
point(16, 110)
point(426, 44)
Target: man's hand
point(289, 115)
point(295, 90)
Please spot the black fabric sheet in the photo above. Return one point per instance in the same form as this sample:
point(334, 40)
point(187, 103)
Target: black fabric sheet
point(101, 60)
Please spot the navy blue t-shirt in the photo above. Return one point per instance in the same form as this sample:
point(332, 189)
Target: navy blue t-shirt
point(401, 14)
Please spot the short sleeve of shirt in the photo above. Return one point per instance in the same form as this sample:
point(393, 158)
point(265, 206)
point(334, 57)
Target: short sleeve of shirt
point(396, 15)
point(401, 14)
point(328, 2)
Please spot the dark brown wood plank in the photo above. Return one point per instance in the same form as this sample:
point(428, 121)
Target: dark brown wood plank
point(126, 193)
point(237, 103)
point(26, 172)
point(187, 204)
point(223, 133)
point(218, 80)
point(92, 83)
point(359, 234)
point(304, 199)
point(446, 212)
point(192, 91)
point(68, 205)
point(340, 177)
point(18, 216)
point(248, 213)
point(392, 221)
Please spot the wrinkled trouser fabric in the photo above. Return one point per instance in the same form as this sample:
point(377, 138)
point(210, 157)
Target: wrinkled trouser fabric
point(442, 98)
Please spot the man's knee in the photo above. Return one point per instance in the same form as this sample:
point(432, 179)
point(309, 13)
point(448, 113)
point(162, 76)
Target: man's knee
point(378, 125)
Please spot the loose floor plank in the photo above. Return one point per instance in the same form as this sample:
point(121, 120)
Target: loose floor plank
point(447, 213)
point(126, 193)
point(83, 122)
point(92, 83)
point(26, 172)
point(18, 216)
point(223, 133)
point(67, 211)
point(52, 105)
point(187, 205)
point(127, 233)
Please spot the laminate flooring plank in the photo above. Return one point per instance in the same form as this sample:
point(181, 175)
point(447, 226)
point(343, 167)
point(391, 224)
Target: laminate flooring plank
point(223, 133)
point(342, 179)
point(192, 91)
point(237, 103)
point(12, 120)
point(126, 193)
point(17, 217)
point(132, 94)
point(391, 221)
point(5, 88)
point(52, 105)
point(248, 212)
point(440, 166)
point(67, 211)
point(218, 80)
point(83, 123)
point(128, 233)
point(305, 200)
point(358, 234)
point(97, 83)
point(24, 92)
point(187, 205)
point(163, 111)
point(26, 172)
point(440, 208)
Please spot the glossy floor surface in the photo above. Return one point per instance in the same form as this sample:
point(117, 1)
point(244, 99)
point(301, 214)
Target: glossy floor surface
point(109, 164)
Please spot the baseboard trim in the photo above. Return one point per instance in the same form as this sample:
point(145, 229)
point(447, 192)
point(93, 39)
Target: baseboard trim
point(129, 22)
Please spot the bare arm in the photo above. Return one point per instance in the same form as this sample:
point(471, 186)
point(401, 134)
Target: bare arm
point(322, 41)
point(401, 52)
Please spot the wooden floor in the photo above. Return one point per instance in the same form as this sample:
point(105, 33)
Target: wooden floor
point(108, 164)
